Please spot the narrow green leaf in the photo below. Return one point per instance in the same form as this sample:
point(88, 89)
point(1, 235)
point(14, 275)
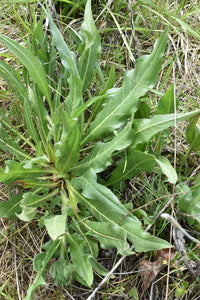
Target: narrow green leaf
point(12, 77)
point(67, 56)
point(81, 260)
point(75, 95)
point(167, 169)
point(191, 128)
point(100, 156)
point(123, 102)
point(111, 80)
point(67, 149)
point(15, 171)
point(166, 103)
point(55, 225)
point(90, 49)
point(41, 121)
point(185, 25)
point(31, 63)
point(145, 129)
point(29, 121)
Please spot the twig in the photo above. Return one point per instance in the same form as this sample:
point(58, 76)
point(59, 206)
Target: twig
point(179, 227)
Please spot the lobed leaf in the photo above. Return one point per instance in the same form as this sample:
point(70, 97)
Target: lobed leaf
point(123, 102)
point(104, 205)
point(39, 280)
point(80, 259)
point(109, 236)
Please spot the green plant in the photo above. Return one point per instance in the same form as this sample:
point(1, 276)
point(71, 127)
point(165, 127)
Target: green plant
point(71, 139)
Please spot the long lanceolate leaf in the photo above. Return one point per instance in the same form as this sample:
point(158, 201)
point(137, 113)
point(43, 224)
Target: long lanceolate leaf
point(31, 63)
point(145, 129)
point(68, 60)
point(91, 47)
point(80, 259)
point(104, 205)
point(18, 171)
point(67, 56)
point(123, 102)
point(100, 156)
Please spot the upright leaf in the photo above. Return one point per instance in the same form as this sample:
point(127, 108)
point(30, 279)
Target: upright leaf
point(67, 56)
point(31, 63)
point(167, 169)
point(166, 103)
point(90, 48)
point(39, 280)
point(119, 106)
point(12, 77)
point(67, 149)
point(80, 258)
point(29, 121)
point(68, 60)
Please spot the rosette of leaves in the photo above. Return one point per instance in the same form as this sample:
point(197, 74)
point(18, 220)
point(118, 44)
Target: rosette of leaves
point(72, 138)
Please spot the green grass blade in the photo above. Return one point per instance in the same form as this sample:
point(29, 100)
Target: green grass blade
point(12, 77)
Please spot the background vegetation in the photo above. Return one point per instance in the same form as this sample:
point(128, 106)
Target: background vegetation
point(128, 30)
